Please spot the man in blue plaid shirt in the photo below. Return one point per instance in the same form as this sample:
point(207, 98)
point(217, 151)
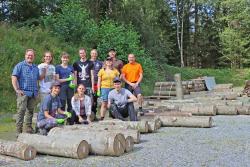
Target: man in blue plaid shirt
point(25, 78)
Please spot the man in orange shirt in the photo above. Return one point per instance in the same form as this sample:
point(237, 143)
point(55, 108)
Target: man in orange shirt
point(132, 75)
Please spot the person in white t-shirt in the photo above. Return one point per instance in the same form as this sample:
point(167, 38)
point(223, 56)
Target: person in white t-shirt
point(49, 78)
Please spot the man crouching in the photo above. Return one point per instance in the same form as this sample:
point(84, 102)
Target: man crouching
point(50, 114)
point(120, 102)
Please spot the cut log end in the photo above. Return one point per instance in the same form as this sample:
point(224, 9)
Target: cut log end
point(83, 149)
point(129, 144)
point(29, 153)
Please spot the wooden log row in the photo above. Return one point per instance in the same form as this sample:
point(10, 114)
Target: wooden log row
point(167, 93)
point(66, 146)
point(141, 126)
point(17, 149)
point(194, 121)
point(112, 128)
point(204, 110)
point(158, 84)
point(243, 110)
point(101, 142)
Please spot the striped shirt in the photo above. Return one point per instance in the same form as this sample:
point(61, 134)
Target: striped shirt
point(27, 76)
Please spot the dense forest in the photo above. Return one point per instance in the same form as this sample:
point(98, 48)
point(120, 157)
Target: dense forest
point(182, 33)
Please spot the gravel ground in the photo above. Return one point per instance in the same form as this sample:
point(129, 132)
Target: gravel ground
point(225, 145)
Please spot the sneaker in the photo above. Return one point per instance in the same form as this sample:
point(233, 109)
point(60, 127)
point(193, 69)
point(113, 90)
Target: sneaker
point(140, 112)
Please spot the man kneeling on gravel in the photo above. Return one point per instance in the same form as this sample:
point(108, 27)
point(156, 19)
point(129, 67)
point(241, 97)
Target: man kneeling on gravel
point(50, 114)
point(120, 102)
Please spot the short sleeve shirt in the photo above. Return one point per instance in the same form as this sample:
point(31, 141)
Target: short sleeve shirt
point(107, 78)
point(51, 104)
point(119, 97)
point(27, 76)
point(132, 71)
point(83, 70)
point(64, 72)
point(46, 83)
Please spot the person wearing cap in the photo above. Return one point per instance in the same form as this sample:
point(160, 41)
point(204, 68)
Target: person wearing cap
point(50, 114)
point(25, 77)
point(97, 67)
point(118, 64)
point(65, 76)
point(132, 75)
point(49, 69)
point(105, 83)
point(120, 102)
point(81, 105)
point(84, 70)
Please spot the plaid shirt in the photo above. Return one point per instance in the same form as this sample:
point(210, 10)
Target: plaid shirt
point(27, 76)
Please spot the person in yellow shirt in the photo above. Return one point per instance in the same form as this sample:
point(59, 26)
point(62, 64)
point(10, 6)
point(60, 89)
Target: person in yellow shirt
point(105, 83)
point(132, 75)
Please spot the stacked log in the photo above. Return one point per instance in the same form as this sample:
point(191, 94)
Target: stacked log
point(226, 110)
point(112, 128)
point(223, 88)
point(199, 85)
point(101, 143)
point(194, 121)
point(17, 149)
point(169, 88)
point(243, 110)
point(141, 126)
point(66, 146)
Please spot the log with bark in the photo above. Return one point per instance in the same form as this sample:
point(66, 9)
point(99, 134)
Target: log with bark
point(101, 142)
point(141, 126)
point(112, 128)
point(17, 149)
point(194, 121)
point(226, 110)
point(129, 146)
point(202, 110)
point(66, 146)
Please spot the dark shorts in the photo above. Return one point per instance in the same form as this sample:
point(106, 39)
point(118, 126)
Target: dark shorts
point(135, 91)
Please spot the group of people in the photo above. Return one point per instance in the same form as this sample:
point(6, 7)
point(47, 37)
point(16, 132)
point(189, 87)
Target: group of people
point(70, 92)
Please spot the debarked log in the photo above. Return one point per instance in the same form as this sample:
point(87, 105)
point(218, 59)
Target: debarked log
point(66, 146)
point(17, 149)
point(101, 142)
point(194, 121)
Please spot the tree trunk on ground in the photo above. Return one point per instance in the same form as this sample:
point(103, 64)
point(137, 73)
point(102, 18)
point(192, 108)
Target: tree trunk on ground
point(179, 89)
point(17, 149)
point(141, 126)
point(110, 128)
point(101, 142)
point(152, 118)
point(202, 110)
point(194, 121)
point(66, 146)
point(243, 110)
point(226, 110)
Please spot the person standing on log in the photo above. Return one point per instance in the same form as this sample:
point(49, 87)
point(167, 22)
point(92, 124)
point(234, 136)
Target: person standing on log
point(118, 64)
point(49, 77)
point(25, 78)
point(65, 76)
point(50, 114)
point(81, 104)
point(132, 75)
point(97, 68)
point(105, 83)
point(120, 102)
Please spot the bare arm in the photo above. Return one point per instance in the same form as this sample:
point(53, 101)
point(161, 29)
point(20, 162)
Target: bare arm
point(99, 83)
point(60, 111)
point(132, 98)
point(140, 79)
point(16, 85)
point(46, 114)
point(60, 80)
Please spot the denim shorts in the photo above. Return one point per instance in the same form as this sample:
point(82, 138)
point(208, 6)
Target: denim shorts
point(105, 93)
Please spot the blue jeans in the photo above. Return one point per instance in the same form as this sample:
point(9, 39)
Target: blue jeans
point(105, 93)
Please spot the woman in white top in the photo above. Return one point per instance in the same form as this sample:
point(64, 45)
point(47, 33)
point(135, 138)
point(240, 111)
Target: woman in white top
point(81, 105)
point(47, 71)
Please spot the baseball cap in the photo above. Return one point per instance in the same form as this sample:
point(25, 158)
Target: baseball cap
point(55, 84)
point(109, 58)
point(116, 79)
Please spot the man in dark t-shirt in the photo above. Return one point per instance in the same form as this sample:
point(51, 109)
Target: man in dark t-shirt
point(84, 71)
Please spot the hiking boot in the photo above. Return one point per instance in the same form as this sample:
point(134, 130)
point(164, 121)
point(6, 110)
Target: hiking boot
point(29, 130)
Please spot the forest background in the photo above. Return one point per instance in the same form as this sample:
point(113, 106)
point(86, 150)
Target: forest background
point(192, 37)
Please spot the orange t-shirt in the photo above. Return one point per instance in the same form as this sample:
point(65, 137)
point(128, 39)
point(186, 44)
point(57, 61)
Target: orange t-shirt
point(132, 71)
